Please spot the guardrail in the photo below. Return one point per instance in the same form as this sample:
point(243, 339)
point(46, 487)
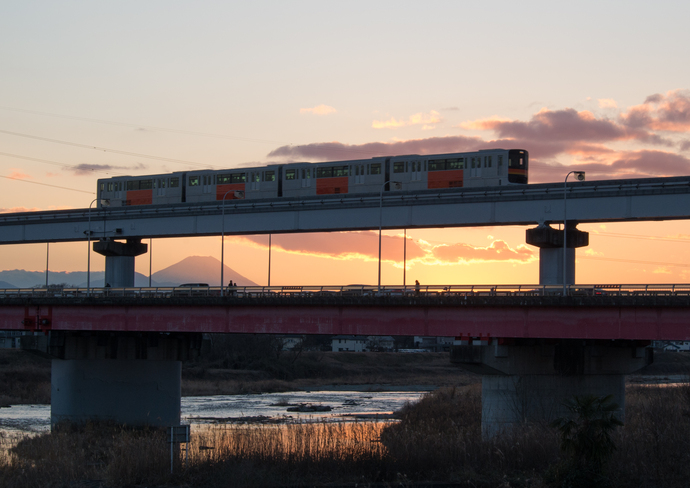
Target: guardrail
point(350, 290)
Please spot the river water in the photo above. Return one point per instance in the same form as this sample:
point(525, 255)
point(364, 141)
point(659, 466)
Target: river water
point(18, 420)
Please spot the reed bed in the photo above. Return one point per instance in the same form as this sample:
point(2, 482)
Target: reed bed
point(438, 439)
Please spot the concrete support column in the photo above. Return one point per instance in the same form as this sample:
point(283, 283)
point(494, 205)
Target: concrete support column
point(529, 380)
point(131, 392)
point(550, 244)
point(125, 378)
point(119, 260)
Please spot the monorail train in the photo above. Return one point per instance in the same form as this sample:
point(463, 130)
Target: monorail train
point(490, 167)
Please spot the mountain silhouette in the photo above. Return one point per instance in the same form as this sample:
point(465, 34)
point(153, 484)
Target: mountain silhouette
point(193, 269)
point(198, 269)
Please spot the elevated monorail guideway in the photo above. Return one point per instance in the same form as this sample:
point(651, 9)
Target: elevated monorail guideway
point(592, 201)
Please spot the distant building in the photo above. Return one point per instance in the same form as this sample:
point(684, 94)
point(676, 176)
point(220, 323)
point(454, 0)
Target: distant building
point(433, 344)
point(380, 343)
point(350, 343)
point(10, 339)
point(677, 346)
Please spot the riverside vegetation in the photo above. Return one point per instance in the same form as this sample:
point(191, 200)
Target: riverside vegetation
point(437, 439)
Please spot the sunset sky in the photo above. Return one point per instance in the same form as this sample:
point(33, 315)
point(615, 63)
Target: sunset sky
point(96, 89)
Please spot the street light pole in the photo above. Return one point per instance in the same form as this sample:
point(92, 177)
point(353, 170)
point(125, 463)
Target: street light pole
point(381, 223)
point(222, 241)
point(88, 252)
point(580, 175)
point(88, 249)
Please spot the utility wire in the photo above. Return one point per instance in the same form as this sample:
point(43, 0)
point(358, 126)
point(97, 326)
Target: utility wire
point(649, 238)
point(634, 261)
point(138, 126)
point(104, 149)
point(46, 184)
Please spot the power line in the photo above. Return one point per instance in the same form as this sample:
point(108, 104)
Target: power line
point(147, 127)
point(634, 261)
point(648, 238)
point(46, 184)
point(104, 149)
point(55, 163)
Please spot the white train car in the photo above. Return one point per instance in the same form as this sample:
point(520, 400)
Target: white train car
point(491, 167)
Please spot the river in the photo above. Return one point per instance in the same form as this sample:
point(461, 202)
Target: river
point(338, 406)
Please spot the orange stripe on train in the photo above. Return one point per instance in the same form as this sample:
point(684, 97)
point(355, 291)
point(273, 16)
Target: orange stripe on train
point(139, 197)
point(445, 179)
point(330, 186)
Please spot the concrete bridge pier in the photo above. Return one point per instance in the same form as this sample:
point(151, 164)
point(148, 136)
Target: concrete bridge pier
point(119, 260)
point(529, 380)
point(125, 378)
point(550, 244)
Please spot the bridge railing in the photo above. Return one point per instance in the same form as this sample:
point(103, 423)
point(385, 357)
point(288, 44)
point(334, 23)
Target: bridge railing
point(170, 292)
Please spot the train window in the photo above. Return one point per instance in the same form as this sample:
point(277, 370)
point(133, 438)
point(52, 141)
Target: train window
point(406, 167)
point(437, 165)
point(324, 172)
point(193, 181)
point(500, 160)
point(102, 186)
point(489, 161)
point(110, 186)
point(290, 174)
point(223, 179)
point(473, 163)
point(238, 177)
point(376, 168)
point(174, 182)
point(456, 163)
point(145, 184)
point(399, 167)
point(270, 176)
point(341, 171)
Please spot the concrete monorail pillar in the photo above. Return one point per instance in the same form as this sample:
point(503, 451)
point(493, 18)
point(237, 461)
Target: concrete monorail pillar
point(529, 380)
point(125, 378)
point(119, 260)
point(550, 244)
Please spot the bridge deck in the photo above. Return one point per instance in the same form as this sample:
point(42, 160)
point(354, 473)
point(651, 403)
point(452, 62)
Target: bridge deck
point(616, 313)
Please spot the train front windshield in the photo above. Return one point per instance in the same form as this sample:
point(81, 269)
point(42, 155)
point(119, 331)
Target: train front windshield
point(517, 166)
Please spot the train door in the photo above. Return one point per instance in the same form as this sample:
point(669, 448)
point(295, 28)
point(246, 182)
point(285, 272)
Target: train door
point(416, 170)
point(254, 179)
point(306, 178)
point(160, 187)
point(208, 185)
point(359, 174)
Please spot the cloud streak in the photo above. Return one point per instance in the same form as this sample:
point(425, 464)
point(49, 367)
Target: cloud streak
point(318, 110)
point(364, 246)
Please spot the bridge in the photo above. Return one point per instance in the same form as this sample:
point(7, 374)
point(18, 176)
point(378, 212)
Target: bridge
point(534, 344)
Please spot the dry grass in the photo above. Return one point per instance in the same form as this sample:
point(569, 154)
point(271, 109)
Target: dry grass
point(438, 439)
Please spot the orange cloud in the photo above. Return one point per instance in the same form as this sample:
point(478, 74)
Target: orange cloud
point(318, 110)
point(19, 209)
point(607, 103)
point(364, 246)
point(18, 175)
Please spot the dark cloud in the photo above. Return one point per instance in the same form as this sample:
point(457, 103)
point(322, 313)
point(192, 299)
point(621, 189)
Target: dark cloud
point(669, 112)
point(630, 164)
point(568, 126)
point(333, 151)
point(87, 168)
